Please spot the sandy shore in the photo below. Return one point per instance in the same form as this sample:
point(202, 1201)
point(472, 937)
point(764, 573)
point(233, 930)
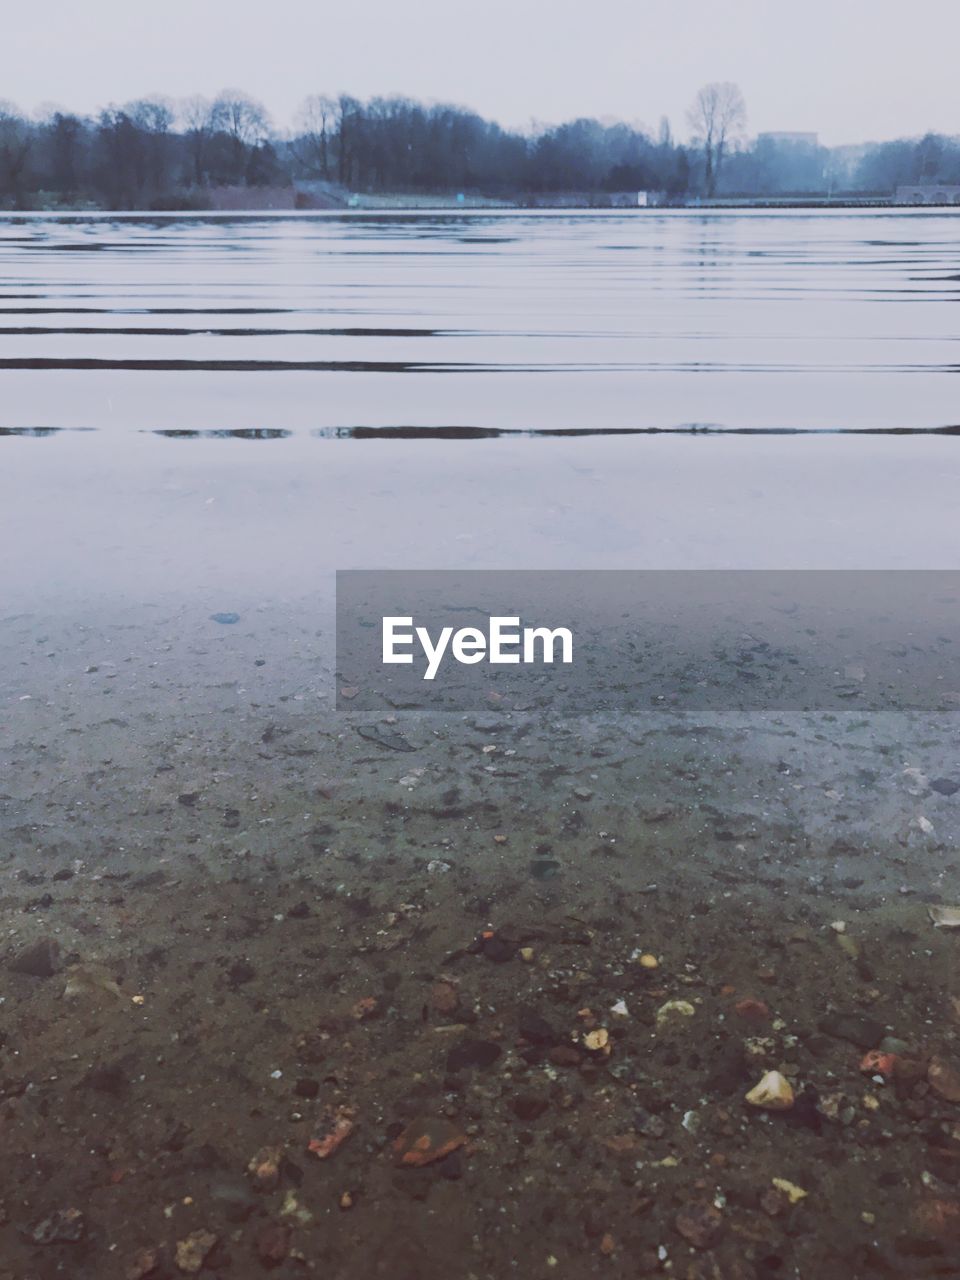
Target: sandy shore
point(235, 926)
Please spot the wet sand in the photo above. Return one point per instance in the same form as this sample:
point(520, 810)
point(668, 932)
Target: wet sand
point(245, 924)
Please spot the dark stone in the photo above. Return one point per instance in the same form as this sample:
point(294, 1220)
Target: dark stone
point(805, 1112)
point(650, 1126)
point(451, 1167)
point(299, 911)
point(728, 1068)
point(856, 1028)
point(529, 1106)
point(225, 619)
point(498, 949)
point(240, 973)
point(188, 798)
point(384, 736)
point(65, 1226)
point(472, 1053)
point(544, 868)
point(307, 1088)
point(536, 1029)
point(945, 786)
point(273, 1244)
point(107, 1078)
point(700, 1224)
point(41, 960)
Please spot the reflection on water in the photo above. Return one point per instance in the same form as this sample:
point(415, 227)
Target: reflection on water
point(793, 319)
point(579, 390)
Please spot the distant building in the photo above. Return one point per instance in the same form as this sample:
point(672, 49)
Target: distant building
point(790, 139)
point(927, 193)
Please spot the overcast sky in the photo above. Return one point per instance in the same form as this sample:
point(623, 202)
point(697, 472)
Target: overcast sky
point(851, 70)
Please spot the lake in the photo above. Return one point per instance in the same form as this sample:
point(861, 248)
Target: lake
point(256, 905)
point(463, 390)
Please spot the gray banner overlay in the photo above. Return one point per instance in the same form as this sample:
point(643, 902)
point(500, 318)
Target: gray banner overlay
point(722, 640)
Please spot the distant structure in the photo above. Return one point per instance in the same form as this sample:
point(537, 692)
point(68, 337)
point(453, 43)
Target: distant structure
point(927, 193)
point(790, 139)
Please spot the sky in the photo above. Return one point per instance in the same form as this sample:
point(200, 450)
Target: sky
point(850, 70)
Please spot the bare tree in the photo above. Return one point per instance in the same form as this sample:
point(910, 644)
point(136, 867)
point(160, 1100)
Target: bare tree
point(155, 117)
point(15, 143)
point(197, 116)
point(240, 117)
point(316, 122)
point(716, 117)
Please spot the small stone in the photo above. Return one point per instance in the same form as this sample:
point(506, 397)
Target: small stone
point(752, 1010)
point(565, 1055)
point(427, 1140)
point(144, 1263)
point(64, 1226)
point(648, 961)
point(773, 1093)
point(945, 786)
point(856, 1028)
point(944, 1078)
point(306, 1087)
point(264, 1168)
point(790, 1189)
point(674, 1011)
point(240, 973)
point(529, 1106)
point(527, 954)
point(598, 1040)
point(498, 949)
point(225, 619)
point(472, 1053)
point(40, 960)
point(700, 1225)
point(535, 1028)
point(367, 1007)
point(444, 999)
point(193, 1250)
point(273, 1244)
point(332, 1140)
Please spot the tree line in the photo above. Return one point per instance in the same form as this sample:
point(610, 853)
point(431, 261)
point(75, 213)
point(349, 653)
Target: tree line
point(157, 154)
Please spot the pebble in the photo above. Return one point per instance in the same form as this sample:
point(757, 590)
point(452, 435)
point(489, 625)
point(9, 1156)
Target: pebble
point(273, 1243)
point(472, 1053)
point(64, 1226)
point(40, 960)
point(143, 1263)
point(944, 1078)
point(193, 1250)
point(700, 1225)
point(674, 1010)
point(427, 1140)
point(856, 1028)
point(773, 1093)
